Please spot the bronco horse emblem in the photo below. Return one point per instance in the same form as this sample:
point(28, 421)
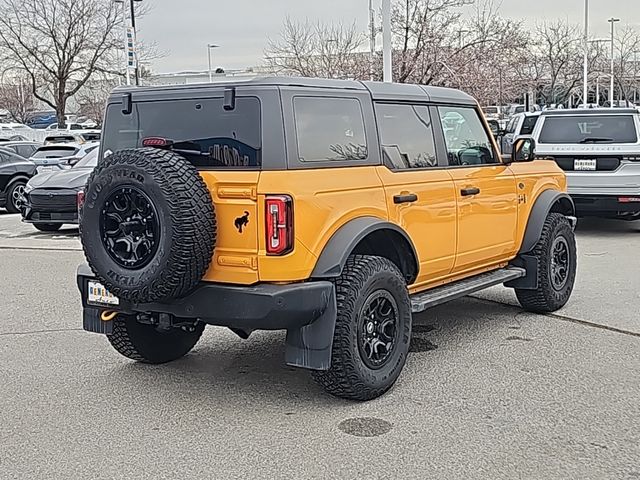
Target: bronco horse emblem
point(242, 221)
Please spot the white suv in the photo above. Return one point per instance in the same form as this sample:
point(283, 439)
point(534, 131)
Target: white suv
point(599, 150)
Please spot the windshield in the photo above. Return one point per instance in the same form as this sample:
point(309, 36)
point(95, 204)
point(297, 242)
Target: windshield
point(201, 130)
point(90, 160)
point(56, 152)
point(589, 129)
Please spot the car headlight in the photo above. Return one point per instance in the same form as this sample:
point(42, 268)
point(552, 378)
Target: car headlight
point(28, 187)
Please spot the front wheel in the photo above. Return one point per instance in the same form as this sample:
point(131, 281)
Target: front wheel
point(373, 330)
point(149, 344)
point(15, 195)
point(556, 271)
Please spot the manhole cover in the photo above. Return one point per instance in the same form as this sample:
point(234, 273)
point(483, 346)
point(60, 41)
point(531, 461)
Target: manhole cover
point(365, 426)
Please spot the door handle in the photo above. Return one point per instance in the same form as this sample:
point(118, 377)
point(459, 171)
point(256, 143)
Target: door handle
point(405, 198)
point(465, 192)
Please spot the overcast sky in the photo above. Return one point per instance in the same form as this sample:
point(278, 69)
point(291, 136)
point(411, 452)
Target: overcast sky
point(183, 28)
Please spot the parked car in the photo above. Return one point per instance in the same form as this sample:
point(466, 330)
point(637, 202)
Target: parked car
point(519, 125)
point(67, 127)
point(492, 112)
point(336, 210)
point(599, 150)
point(62, 156)
point(23, 148)
point(75, 137)
point(50, 197)
point(4, 138)
point(15, 172)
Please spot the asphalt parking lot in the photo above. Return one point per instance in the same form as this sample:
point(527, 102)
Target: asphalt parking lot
point(488, 392)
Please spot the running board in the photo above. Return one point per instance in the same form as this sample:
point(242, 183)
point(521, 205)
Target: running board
point(436, 296)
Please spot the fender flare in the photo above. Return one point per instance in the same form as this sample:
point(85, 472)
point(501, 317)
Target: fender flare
point(335, 253)
point(543, 205)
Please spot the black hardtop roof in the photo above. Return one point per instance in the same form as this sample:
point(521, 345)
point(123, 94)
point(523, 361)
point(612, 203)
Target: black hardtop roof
point(590, 111)
point(378, 90)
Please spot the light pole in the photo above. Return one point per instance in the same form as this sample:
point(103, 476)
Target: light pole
point(386, 40)
point(612, 21)
point(586, 58)
point(372, 38)
point(210, 47)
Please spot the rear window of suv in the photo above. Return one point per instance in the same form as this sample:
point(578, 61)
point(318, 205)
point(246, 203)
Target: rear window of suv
point(566, 129)
point(201, 130)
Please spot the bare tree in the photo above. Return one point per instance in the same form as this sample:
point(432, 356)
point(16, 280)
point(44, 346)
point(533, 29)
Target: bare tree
point(58, 44)
point(318, 50)
point(17, 98)
point(626, 48)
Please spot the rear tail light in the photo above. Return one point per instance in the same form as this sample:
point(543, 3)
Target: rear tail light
point(279, 221)
point(157, 142)
point(628, 199)
point(80, 202)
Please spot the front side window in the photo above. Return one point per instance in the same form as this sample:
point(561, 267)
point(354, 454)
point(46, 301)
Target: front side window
point(329, 129)
point(466, 139)
point(406, 134)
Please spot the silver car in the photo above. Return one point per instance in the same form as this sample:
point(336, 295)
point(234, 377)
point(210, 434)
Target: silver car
point(49, 158)
point(599, 150)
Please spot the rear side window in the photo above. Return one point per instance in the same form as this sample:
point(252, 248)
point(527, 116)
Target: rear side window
point(199, 129)
point(528, 124)
point(588, 129)
point(329, 129)
point(406, 134)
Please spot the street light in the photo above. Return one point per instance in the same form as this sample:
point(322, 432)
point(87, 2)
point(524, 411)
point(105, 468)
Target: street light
point(210, 47)
point(386, 40)
point(585, 59)
point(612, 21)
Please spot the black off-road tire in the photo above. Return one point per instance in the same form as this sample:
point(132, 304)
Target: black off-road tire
point(12, 190)
point(148, 344)
point(349, 377)
point(548, 298)
point(186, 224)
point(48, 227)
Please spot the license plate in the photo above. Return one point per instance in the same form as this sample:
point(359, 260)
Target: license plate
point(584, 164)
point(98, 295)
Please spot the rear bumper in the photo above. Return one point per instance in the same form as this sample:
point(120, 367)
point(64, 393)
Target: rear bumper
point(257, 307)
point(604, 204)
point(624, 181)
point(307, 311)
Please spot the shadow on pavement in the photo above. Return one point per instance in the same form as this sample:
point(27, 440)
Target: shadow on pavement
point(221, 370)
point(597, 226)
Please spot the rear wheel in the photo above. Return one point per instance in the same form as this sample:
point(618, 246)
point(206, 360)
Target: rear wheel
point(373, 330)
point(48, 227)
point(556, 272)
point(150, 344)
point(15, 194)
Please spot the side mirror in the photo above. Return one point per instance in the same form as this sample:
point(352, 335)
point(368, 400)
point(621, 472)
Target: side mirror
point(523, 150)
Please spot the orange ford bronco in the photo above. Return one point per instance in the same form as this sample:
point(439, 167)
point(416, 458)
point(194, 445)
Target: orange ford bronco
point(334, 210)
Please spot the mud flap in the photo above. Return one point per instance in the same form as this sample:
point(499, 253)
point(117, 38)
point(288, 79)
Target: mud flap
point(530, 280)
point(310, 346)
point(91, 322)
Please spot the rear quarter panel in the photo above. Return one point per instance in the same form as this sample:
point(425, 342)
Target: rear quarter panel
point(324, 200)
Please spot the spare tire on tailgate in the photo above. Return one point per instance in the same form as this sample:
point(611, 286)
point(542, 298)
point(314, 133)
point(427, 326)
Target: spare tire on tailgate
point(147, 227)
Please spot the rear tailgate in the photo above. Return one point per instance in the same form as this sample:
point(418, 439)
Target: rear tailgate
point(235, 258)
